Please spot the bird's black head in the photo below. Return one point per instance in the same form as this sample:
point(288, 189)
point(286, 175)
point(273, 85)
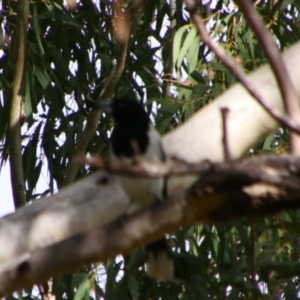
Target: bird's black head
point(129, 113)
point(131, 127)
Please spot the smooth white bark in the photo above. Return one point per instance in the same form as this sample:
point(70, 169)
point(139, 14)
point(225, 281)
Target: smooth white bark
point(201, 136)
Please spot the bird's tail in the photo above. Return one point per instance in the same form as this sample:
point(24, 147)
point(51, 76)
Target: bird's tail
point(160, 265)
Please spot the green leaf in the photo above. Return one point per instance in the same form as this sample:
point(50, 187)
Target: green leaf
point(27, 98)
point(134, 288)
point(168, 109)
point(37, 31)
point(268, 141)
point(42, 77)
point(251, 42)
point(189, 40)
point(85, 288)
point(218, 66)
point(178, 38)
point(192, 55)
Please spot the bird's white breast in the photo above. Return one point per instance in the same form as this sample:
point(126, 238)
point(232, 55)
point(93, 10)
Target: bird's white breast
point(144, 191)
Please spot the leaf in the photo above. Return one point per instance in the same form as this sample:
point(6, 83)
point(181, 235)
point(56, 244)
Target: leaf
point(268, 141)
point(27, 98)
point(187, 43)
point(293, 227)
point(134, 288)
point(218, 66)
point(192, 54)
point(196, 75)
point(135, 259)
point(188, 110)
point(60, 16)
point(251, 42)
point(30, 165)
point(178, 41)
point(198, 91)
point(42, 77)
point(165, 114)
point(85, 287)
point(37, 30)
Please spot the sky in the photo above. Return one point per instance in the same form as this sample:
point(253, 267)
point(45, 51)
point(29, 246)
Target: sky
point(6, 199)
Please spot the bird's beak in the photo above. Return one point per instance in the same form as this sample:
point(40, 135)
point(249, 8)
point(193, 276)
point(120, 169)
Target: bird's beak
point(105, 105)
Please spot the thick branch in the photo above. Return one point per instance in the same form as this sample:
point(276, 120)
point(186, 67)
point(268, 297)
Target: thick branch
point(93, 201)
point(257, 185)
point(236, 70)
point(270, 169)
point(267, 42)
point(15, 141)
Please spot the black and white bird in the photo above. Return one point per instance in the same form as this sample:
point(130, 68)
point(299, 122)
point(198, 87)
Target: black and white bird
point(134, 137)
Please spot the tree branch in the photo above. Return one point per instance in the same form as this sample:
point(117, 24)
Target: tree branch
point(256, 185)
point(237, 70)
point(287, 90)
point(169, 63)
point(248, 171)
point(15, 141)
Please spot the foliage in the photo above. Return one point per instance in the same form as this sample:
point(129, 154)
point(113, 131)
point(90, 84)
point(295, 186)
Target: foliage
point(70, 54)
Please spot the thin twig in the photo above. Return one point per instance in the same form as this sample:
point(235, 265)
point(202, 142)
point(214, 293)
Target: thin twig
point(142, 168)
point(236, 70)
point(227, 154)
point(261, 168)
point(276, 62)
point(252, 253)
point(169, 67)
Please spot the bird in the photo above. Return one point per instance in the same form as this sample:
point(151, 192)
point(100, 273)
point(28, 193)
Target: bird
point(134, 137)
